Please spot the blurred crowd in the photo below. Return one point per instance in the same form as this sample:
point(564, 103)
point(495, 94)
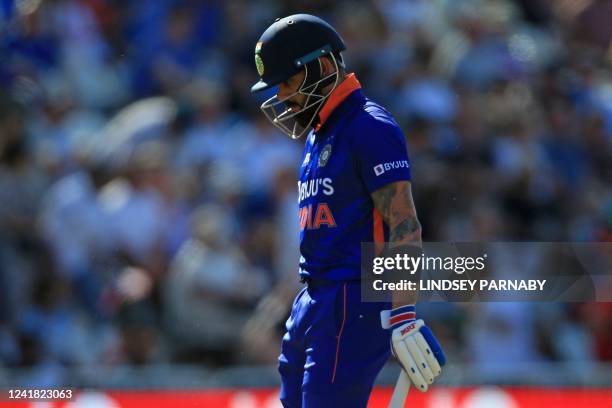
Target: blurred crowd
point(148, 211)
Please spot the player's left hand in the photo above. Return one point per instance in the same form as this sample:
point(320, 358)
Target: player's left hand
point(414, 346)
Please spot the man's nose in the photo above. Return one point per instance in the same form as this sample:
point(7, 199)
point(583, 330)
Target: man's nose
point(283, 91)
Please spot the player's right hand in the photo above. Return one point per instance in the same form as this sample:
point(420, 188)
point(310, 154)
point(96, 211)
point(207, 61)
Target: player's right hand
point(415, 347)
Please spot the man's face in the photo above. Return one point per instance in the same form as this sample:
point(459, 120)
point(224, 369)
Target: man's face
point(301, 108)
point(290, 87)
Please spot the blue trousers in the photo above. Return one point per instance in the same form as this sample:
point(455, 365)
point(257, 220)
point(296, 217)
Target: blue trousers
point(333, 349)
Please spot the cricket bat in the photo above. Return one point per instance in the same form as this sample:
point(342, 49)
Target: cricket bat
point(402, 386)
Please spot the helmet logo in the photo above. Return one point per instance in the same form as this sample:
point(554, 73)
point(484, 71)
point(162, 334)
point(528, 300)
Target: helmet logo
point(258, 61)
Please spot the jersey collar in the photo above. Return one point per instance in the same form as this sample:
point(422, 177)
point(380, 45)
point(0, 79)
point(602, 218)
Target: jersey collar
point(337, 96)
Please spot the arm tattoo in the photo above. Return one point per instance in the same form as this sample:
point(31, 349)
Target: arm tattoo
point(394, 202)
point(407, 230)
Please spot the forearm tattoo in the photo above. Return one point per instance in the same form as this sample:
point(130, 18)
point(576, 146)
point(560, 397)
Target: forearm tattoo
point(406, 231)
point(396, 206)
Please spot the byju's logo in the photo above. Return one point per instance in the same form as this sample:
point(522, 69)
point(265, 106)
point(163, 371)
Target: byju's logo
point(383, 167)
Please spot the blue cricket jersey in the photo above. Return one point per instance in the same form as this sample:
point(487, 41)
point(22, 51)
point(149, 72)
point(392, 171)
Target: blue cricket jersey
point(356, 149)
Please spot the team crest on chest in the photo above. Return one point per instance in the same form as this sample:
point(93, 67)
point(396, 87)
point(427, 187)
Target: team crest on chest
point(325, 155)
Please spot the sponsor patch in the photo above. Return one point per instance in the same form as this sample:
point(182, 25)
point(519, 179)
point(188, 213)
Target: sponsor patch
point(384, 167)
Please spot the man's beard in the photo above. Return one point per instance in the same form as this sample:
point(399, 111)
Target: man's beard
point(304, 116)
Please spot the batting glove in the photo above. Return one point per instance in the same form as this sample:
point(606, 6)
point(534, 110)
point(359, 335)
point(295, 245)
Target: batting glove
point(414, 345)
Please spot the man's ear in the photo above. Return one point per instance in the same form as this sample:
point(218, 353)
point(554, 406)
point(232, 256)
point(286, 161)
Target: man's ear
point(327, 66)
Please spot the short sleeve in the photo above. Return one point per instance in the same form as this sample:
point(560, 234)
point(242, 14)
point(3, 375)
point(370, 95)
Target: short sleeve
point(381, 151)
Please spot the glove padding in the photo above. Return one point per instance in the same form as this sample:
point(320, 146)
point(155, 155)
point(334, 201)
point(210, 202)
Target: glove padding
point(415, 347)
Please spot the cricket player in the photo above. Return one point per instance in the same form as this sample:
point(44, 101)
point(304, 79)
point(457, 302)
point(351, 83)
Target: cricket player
point(354, 186)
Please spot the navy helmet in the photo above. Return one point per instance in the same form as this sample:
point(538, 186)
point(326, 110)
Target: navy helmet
point(289, 44)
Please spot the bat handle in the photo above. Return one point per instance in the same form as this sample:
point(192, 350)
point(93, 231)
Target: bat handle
point(402, 386)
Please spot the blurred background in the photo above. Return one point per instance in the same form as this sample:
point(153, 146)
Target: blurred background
point(148, 211)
